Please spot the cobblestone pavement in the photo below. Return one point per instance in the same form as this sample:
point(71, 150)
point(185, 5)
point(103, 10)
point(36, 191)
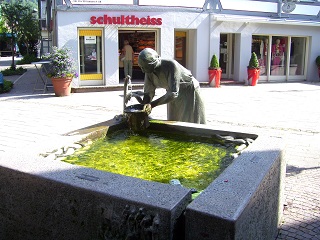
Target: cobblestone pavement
point(36, 122)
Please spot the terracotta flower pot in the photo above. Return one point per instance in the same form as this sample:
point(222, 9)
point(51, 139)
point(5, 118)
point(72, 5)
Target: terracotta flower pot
point(214, 77)
point(253, 76)
point(62, 86)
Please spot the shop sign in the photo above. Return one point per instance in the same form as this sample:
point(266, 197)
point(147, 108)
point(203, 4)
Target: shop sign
point(126, 20)
point(90, 40)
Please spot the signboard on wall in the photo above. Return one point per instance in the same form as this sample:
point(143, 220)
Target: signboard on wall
point(125, 19)
point(90, 39)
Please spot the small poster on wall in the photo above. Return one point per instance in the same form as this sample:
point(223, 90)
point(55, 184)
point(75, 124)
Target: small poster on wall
point(85, 1)
point(90, 39)
point(101, 1)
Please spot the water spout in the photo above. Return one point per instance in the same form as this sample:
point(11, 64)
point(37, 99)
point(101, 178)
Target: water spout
point(127, 91)
point(135, 115)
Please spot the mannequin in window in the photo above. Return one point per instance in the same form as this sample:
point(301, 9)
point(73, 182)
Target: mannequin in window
point(94, 55)
point(264, 46)
point(277, 53)
point(265, 50)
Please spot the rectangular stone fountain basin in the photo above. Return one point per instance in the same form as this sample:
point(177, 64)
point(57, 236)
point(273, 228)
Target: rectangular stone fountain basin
point(48, 199)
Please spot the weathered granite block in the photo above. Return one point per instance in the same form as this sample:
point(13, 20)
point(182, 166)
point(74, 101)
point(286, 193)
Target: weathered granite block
point(42, 199)
point(245, 201)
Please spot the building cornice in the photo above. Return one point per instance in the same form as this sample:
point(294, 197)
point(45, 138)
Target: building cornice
point(125, 8)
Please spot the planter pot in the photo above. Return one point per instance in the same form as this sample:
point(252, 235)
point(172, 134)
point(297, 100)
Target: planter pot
point(214, 77)
point(253, 76)
point(62, 86)
point(319, 72)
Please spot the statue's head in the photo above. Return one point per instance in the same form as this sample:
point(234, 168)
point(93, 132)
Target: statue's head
point(148, 60)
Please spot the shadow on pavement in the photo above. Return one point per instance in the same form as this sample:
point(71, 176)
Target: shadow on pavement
point(292, 170)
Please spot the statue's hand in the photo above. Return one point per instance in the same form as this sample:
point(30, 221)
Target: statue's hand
point(147, 108)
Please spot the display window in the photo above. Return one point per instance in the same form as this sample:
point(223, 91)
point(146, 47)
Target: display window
point(279, 49)
point(90, 48)
point(180, 47)
point(261, 46)
point(297, 56)
point(280, 55)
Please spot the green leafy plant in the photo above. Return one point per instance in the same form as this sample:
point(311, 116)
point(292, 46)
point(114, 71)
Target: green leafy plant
point(318, 61)
point(214, 63)
point(13, 71)
point(27, 59)
point(62, 64)
point(254, 63)
point(7, 86)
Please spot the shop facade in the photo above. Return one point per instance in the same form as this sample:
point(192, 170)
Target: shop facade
point(96, 39)
point(286, 50)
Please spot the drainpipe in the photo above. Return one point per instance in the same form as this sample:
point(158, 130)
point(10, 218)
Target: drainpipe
point(210, 28)
point(279, 8)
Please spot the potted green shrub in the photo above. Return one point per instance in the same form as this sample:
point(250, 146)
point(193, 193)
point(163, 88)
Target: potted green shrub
point(61, 70)
point(214, 72)
point(318, 65)
point(253, 70)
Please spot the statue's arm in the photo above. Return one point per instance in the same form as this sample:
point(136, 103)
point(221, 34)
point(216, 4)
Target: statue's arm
point(137, 96)
point(148, 105)
point(168, 97)
point(149, 90)
point(172, 79)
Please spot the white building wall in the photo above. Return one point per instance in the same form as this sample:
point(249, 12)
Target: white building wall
point(111, 56)
point(202, 54)
point(199, 36)
point(192, 49)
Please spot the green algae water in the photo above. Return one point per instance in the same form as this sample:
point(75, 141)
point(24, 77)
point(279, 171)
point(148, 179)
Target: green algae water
point(157, 156)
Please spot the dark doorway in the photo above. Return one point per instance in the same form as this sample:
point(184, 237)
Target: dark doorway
point(139, 40)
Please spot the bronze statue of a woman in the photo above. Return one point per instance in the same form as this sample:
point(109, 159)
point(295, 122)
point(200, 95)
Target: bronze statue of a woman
point(183, 90)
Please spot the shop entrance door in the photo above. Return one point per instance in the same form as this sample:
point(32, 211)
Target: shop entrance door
point(139, 40)
point(226, 58)
point(90, 48)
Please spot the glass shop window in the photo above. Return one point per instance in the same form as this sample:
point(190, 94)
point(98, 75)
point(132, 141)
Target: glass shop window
point(261, 46)
point(279, 50)
point(297, 56)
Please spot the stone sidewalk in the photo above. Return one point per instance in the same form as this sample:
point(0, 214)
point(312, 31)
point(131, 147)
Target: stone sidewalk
point(34, 122)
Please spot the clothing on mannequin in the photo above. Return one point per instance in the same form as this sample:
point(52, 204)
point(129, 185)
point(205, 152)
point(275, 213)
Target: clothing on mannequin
point(277, 53)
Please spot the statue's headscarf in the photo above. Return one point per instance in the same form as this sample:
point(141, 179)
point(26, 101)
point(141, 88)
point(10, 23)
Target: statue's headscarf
point(149, 56)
